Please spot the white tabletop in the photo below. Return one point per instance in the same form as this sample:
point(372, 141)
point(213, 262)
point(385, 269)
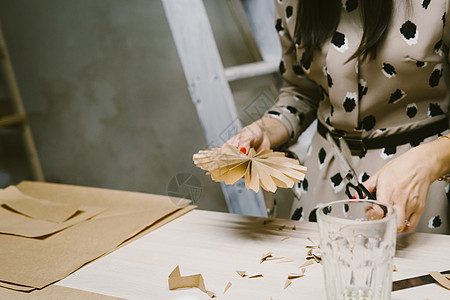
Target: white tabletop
point(218, 244)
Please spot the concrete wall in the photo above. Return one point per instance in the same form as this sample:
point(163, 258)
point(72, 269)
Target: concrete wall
point(106, 96)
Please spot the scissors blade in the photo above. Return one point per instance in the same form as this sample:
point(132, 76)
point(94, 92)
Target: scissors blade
point(414, 281)
point(346, 168)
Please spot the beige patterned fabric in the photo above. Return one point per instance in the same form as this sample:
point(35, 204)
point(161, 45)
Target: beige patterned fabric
point(405, 87)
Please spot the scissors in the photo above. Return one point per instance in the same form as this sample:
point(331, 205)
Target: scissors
point(343, 154)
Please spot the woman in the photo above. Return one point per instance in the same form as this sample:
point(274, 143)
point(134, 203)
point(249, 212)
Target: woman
point(375, 73)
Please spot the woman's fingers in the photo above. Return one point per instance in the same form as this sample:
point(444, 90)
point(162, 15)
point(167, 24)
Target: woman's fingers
point(387, 194)
point(411, 222)
point(264, 145)
point(242, 140)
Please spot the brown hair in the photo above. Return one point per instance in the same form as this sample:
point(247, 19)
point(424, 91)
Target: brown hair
point(318, 19)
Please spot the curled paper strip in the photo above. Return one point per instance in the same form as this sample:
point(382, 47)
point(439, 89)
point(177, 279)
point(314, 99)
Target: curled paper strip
point(267, 168)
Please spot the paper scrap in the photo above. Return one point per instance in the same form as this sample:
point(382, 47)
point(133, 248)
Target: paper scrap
point(255, 275)
point(287, 283)
point(307, 263)
point(274, 258)
point(229, 284)
point(35, 208)
point(241, 273)
point(285, 238)
point(295, 275)
point(288, 259)
point(244, 274)
point(177, 281)
point(441, 279)
point(265, 256)
point(267, 168)
point(317, 258)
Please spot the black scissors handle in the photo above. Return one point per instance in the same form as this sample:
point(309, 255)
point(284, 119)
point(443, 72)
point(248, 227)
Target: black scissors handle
point(360, 189)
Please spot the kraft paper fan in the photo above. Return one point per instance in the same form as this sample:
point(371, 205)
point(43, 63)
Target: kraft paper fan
point(267, 168)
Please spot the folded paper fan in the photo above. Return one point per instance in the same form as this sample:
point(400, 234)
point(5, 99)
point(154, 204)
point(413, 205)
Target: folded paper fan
point(267, 168)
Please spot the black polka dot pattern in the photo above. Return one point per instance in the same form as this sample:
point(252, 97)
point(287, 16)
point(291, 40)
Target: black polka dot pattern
point(322, 156)
point(388, 152)
point(425, 3)
point(362, 89)
point(396, 96)
point(274, 113)
point(298, 97)
point(336, 179)
point(409, 32)
point(435, 222)
point(305, 185)
point(435, 76)
point(312, 216)
point(282, 68)
point(339, 41)
point(421, 64)
point(350, 102)
point(289, 11)
point(368, 123)
point(291, 109)
point(329, 80)
point(351, 5)
point(364, 177)
point(434, 110)
point(298, 214)
point(346, 208)
point(279, 27)
point(438, 48)
point(411, 110)
point(388, 70)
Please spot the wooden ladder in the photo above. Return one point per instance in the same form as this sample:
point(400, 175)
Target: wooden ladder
point(17, 117)
point(208, 80)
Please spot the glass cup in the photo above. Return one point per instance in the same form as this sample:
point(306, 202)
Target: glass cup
point(357, 243)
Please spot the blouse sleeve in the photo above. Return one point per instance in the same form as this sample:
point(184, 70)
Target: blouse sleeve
point(299, 96)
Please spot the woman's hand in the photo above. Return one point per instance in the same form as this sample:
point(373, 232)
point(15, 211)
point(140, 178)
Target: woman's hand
point(404, 181)
point(263, 134)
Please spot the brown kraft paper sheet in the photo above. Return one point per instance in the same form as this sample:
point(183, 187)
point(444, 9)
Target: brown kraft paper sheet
point(39, 262)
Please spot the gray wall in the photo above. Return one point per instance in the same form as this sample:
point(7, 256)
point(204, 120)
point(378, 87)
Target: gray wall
point(106, 95)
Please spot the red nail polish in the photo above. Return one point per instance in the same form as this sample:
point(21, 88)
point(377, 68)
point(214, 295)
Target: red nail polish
point(353, 197)
point(243, 150)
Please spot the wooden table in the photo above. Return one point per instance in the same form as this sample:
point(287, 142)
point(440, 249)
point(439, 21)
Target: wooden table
point(218, 244)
